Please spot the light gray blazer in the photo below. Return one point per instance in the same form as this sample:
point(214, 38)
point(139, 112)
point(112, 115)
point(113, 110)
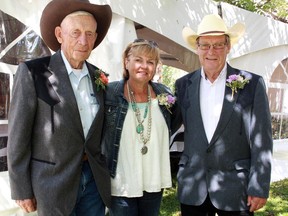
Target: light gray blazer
point(46, 140)
point(237, 161)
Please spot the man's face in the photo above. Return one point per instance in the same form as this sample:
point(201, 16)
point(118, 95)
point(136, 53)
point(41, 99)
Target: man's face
point(212, 51)
point(77, 36)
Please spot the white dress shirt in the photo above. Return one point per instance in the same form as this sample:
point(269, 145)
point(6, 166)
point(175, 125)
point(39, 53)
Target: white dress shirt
point(83, 91)
point(211, 101)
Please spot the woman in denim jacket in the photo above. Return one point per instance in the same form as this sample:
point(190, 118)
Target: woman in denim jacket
point(136, 133)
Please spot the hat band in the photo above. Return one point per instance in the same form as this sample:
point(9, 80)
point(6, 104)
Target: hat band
point(212, 32)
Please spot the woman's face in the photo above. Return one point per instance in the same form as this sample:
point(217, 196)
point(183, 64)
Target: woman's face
point(141, 68)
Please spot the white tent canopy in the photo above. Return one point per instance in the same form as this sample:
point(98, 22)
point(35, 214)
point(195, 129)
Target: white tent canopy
point(265, 40)
point(263, 47)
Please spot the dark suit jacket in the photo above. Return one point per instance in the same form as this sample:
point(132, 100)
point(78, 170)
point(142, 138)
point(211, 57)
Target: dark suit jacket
point(237, 161)
point(46, 140)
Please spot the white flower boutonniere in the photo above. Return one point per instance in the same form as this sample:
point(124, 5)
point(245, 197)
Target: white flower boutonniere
point(166, 100)
point(101, 79)
point(236, 82)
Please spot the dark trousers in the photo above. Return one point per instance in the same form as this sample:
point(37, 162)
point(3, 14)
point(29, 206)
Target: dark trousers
point(89, 201)
point(147, 205)
point(207, 209)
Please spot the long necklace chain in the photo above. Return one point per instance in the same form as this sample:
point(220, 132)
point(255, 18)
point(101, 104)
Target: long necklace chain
point(140, 126)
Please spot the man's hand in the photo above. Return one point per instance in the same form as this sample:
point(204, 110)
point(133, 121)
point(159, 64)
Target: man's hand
point(256, 203)
point(28, 205)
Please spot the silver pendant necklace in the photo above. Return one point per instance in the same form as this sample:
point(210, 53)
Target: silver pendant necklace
point(140, 127)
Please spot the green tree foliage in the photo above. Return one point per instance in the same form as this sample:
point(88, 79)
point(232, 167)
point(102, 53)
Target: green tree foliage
point(276, 9)
point(167, 77)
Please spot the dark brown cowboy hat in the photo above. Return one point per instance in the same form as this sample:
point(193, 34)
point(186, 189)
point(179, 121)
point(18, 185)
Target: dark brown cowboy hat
point(57, 10)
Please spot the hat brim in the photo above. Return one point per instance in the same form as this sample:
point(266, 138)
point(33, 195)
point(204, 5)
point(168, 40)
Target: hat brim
point(57, 10)
point(235, 33)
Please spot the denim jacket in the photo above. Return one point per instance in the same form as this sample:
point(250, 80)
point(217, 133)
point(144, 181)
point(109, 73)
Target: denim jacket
point(116, 107)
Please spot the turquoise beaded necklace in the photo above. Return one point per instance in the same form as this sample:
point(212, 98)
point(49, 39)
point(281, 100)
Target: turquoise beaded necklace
point(140, 126)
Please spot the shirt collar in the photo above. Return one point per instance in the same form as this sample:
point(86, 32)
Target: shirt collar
point(222, 73)
point(83, 71)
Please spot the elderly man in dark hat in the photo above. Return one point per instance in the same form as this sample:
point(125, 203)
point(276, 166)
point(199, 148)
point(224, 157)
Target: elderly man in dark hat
point(226, 163)
point(56, 114)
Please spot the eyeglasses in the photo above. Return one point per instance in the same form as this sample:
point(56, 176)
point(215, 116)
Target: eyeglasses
point(140, 41)
point(216, 46)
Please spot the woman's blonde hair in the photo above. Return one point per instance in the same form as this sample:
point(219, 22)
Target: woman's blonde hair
point(140, 47)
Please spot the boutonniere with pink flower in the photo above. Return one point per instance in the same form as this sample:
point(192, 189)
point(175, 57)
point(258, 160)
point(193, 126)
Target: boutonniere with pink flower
point(101, 79)
point(166, 100)
point(236, 82)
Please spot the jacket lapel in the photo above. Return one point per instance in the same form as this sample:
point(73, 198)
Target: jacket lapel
point(60, 82)
point(227, 109)
point(95, 126)
point(194, 97)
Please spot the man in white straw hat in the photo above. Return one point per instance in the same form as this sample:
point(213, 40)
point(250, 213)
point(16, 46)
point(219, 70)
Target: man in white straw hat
point(55, 162)
point(226, 164)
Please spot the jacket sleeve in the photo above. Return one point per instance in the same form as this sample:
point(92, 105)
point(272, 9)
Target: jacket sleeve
point(21, 115)
point(176, 111)
point(260, 143)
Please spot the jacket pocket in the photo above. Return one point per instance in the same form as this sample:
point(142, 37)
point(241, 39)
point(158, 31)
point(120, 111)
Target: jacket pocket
point(110, 116)
point(242, 164)
point(183, 160)
point(43, 161)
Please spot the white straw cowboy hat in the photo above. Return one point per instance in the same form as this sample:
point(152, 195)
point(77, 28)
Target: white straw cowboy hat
point(57, 10)
point(213, 25)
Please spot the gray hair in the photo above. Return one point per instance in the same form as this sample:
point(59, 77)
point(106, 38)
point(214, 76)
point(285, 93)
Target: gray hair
point(78, 13)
